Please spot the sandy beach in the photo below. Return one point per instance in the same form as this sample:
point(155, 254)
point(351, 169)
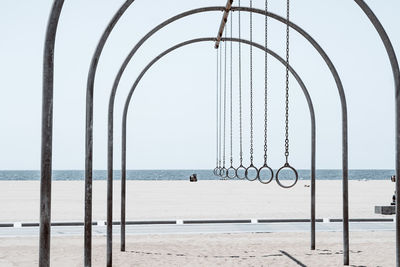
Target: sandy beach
point(267, 249)
point(163, 200)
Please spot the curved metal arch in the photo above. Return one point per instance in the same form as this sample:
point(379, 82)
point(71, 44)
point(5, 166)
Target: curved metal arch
point(313, 43)
point(89, 132)
point(47, 134)
point(46, 145)
point(89, 147)
point(396, 77)
point(210, 39)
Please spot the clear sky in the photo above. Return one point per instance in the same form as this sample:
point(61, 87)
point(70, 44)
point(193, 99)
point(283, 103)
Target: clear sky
point(171, 123)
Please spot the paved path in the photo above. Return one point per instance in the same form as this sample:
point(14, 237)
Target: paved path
point(202, 228)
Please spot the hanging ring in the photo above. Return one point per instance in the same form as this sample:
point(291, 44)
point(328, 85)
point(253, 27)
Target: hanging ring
point(220, 171)
point(231, 172)
point(253, 169)
point(265, 174)
point(223, 172)
point(287, 166)
point(216, 171)
point(241, 172)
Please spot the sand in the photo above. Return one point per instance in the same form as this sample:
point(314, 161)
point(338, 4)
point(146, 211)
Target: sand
point(269, 249)
point(163, 200)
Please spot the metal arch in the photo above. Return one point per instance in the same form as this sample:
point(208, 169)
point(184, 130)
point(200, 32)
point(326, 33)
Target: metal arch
point(89, 148)
point(321, 52)
point(47, 135)
point(47, 119)
point(47, 93)
point(272, 53)
point(392, 56)
point(396, 76)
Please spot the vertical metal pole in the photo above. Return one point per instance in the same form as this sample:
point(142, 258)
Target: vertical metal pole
point(89, 148)
point(345, 189)
point(47, 134)
point(313, 151)
point(396, 76)
point(88, 182)
point(123, 184)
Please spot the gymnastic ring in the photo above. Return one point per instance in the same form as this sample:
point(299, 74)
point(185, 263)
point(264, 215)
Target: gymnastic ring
point(241, 177)
point(220, 172)
point(288, 167)
point(223, 172)
point(215, 171)
point(265, 167)
point(247, 173)
point(231, 170)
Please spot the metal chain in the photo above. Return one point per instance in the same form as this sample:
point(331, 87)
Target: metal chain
point(266, 87)
point(220, 106)
point(231, 104)
point(240, 92)
point(224, 154)
point(251, 84)
point(287, 85)
point(217, 99)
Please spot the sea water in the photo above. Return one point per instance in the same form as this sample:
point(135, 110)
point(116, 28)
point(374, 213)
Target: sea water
point(73, 175)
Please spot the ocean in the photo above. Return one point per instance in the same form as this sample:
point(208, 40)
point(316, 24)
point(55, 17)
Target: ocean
point(76, 175)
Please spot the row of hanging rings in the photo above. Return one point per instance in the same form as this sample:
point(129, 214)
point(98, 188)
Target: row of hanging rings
point(264, 174)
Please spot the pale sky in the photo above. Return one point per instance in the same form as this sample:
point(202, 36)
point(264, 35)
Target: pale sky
point(172, 115)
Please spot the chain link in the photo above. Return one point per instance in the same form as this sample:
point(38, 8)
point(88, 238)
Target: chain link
point(287, 85)
point(240, 91)
point(220, 106)
point(224, 154)
point(266, 87)
point(251, 84)
point(217, 99)
point(231, 104)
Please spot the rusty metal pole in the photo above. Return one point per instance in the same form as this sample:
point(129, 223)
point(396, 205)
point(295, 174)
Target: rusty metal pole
point(223, 22)
point(47, 134)
point(89, 149)
point(396, 76)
